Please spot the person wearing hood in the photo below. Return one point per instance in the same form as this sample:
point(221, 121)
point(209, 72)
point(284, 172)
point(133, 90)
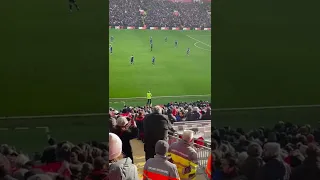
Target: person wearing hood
point(159, 167)
point(253, 163)
point(120, 168)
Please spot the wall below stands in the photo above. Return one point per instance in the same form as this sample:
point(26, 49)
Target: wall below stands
point(159, 28)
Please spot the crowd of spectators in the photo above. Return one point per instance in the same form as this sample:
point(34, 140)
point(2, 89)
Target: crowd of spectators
point(124, 13)
point(156, 124)
point(175, 111)
point(159, 13)
point(286, 152)
point(59, 161)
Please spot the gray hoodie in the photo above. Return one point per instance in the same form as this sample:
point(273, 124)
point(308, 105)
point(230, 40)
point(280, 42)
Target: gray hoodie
point(123, 170)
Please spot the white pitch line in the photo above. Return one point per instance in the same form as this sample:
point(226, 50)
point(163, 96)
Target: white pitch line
point(4, 129)
point(47, 130)
point(53, 116)
point(195, 44)
point(21, 128)
point(159, 97)
point(216, 110)
point(199, 41)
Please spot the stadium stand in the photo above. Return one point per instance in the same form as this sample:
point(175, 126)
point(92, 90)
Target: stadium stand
point(159, 13)
point(193, 116)
point(62, 160)
point(287, 151)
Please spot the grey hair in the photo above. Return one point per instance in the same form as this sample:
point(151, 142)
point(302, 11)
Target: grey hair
point(21, 160)
point(122, 121)
point(187, 135)
point(272, 149)
point(157, 109)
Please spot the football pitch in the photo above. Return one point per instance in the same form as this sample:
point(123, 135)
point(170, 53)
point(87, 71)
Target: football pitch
point(265, 53)
point(175, 75)
point(56, 63)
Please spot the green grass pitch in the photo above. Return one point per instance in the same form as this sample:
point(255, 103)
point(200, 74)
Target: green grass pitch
point(57, 61)
point(174, 73)
point(265, 53)
point(54, 62)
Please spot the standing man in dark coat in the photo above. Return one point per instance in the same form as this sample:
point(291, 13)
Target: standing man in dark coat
point(156, 127)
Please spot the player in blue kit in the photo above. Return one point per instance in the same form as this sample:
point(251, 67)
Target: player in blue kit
point(175, 43)
point(153, 60)
point(132, 59)
point(151, 46)
point(188, 51)
point(110, 47)
point(112, 38)
point(166, 39)
point(73, 3)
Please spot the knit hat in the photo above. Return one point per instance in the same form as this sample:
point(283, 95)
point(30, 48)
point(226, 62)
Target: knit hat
point(271, 149)
point(162, 147)
point(242, 157)
point(115, 146)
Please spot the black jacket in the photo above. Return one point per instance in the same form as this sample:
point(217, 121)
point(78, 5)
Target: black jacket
point(125, 137)
point(156, 127)
point(309, 170)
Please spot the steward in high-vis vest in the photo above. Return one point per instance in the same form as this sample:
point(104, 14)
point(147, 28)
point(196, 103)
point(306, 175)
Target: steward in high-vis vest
point(184, 156)
point(159, 168)
point(149, 96)
point(208, 168)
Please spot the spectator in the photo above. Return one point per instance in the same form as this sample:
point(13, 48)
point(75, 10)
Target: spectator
point(207, 114)
point(159, 167)
point(5, 167)
point(126, 131)
point(156, 127)
point(253, 163)
point(139, 120)
point(120, 168)
point(274, 168)
point(184, 156)
point(159, 13)
point(21, 167)
point(194, 115)
point(310, 169)
point(99, 170)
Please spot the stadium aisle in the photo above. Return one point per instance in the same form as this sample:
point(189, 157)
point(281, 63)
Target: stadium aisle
point(139, 161)
point(138, 155)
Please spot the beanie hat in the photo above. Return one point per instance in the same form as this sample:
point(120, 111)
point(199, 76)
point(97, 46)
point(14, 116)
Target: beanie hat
point(272, 149)
point(115, 146)
point(162, 147)
point(242, 157)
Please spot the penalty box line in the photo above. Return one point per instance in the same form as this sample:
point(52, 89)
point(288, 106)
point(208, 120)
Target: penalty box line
point(198, 41)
